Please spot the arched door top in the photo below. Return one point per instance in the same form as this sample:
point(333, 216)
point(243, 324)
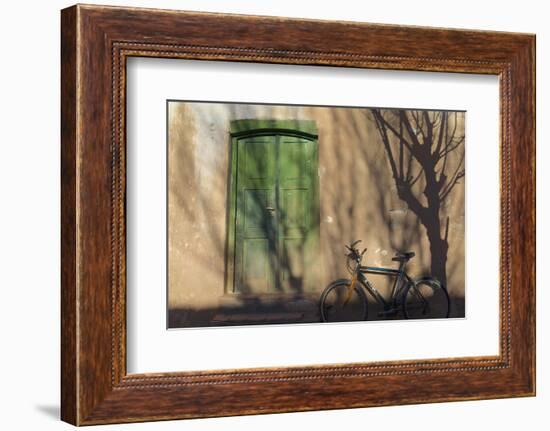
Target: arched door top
point(249, 127)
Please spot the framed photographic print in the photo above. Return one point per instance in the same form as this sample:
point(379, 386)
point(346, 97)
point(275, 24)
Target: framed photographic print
point(258, 208)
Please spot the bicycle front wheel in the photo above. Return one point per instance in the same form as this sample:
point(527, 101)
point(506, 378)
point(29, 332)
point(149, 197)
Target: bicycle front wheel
point(426, 299)
point(338, 306)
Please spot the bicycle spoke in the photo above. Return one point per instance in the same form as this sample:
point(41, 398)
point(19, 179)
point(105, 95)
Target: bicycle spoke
point(340, 304)
point(426, 300)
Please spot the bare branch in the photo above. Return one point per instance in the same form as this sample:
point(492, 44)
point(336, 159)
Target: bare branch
point(401, 145)
point(412, 180)
point(410, 131)
point(402, 184)
point(381, 126)
point(442, 175)
point(409, 165)
point(455, 178)
point(451, 146)
point(442, 129)
point(418, 124)
point(429, 125)
point(388, 125)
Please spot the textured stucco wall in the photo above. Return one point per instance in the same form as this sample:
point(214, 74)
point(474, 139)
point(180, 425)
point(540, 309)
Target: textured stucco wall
point(358, 198)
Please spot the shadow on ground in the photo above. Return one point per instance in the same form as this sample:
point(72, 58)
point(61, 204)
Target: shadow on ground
point(269, 310)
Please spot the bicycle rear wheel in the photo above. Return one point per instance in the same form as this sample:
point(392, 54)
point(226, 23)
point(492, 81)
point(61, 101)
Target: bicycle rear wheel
point(334, 307)
point(426, 299)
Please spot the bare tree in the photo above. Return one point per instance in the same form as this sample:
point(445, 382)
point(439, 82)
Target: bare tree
point(418, 146)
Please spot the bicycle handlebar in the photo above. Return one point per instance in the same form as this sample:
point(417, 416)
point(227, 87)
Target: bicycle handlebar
point(355, 252)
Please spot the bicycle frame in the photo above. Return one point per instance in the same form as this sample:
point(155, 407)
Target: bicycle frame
point(399, 298)
point(398, 285)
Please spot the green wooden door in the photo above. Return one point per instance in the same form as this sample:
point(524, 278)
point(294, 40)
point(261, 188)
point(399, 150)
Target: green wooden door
point(277, 213)
point(256, 230)
point(296, 208)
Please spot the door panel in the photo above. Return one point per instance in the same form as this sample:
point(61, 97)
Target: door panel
point(259, 154)
point(255, 203)
point(276, 213)
point(294, 158)
point(255, 236)
point(295, 191)
point(294, 208)
point(258, 273)
point(293, 265)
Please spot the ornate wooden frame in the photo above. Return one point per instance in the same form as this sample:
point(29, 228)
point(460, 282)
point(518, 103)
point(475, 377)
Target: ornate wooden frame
point(96, 41)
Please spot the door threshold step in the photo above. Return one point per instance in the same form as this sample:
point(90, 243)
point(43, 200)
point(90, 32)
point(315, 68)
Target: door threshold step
point(257, 317)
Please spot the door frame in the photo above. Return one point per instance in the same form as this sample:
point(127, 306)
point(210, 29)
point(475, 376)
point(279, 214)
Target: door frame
point(238, 129)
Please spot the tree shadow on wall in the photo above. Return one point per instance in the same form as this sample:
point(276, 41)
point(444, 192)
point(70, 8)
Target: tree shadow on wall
point(405, 186)
point(418, 146)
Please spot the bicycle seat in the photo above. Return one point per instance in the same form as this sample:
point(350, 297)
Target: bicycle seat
point(403, 257)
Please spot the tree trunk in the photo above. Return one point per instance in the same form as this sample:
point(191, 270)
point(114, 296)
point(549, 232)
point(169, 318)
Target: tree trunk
point(438, 250)
point(429, 217)
point(432, 222)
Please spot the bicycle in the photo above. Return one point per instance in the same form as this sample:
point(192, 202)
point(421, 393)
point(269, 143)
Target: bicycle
point(346, 300)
